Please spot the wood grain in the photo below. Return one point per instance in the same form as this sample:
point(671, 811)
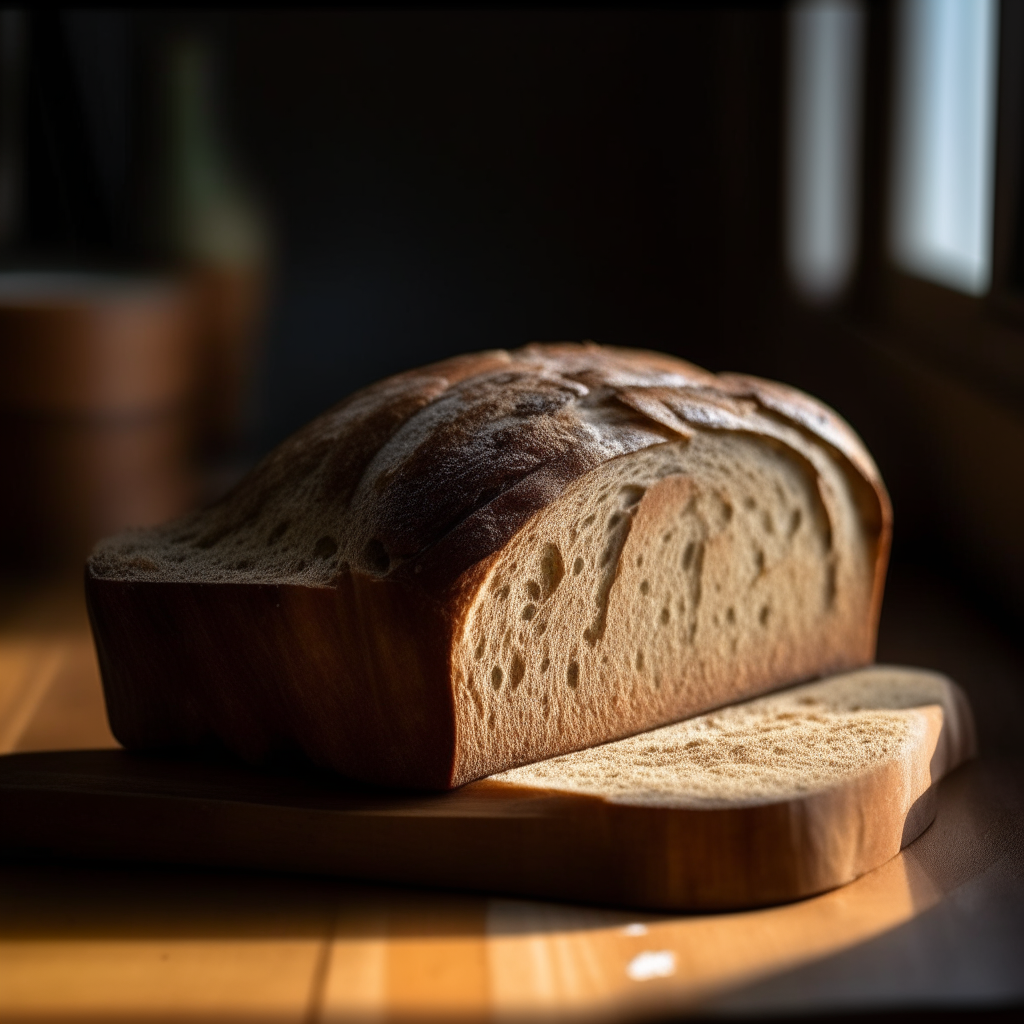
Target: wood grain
point(89, 944)
point(84, 944)
point(51, 697)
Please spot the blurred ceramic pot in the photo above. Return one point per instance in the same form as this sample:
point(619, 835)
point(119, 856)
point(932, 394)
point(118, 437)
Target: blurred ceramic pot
point(98, 383)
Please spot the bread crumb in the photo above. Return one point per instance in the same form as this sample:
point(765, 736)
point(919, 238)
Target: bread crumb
point(778, 747)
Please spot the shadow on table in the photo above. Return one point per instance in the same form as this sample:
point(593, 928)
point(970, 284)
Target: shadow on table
point(966, 950)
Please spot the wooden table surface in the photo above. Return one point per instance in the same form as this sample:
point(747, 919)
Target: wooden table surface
point(940, 925)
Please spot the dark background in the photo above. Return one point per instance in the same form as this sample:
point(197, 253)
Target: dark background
point(454, 182)
point(446, 182)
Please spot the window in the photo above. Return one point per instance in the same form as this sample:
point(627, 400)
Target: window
point(823, 145)
point(944, 141)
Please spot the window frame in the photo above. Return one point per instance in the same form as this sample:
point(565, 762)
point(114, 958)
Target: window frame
point(980, 338)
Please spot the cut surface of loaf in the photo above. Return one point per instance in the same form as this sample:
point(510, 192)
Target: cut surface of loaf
point(498, 559)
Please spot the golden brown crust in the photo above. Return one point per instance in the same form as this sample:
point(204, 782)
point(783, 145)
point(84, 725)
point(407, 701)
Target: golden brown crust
point(269, 670)
point(514, 432)
point(428, 472)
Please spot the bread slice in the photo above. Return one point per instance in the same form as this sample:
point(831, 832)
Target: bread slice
point(815, 738)
point(772, 800)
point(498, 559)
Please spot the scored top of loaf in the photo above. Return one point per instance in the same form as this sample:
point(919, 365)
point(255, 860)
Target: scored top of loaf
point(430, 471)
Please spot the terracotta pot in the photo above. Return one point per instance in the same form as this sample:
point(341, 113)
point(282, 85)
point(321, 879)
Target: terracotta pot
point(98, 381)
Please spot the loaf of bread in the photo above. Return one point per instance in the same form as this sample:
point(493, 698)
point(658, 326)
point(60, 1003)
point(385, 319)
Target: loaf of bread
point(498, 559)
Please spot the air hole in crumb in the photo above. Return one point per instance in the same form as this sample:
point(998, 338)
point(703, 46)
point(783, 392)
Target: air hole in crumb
point(666, 537)
point(516, 670)
point(545, 663)
point(278, 532)
point(533, 589)
point(481, 649)
point(529, 611)
point(764, 615)
point(542, 625)
point(730, 616)
point(758, 562)
point(589, 521)
point(572, 674)
point(631, 496)
point(665, 615)
point(552, 569)
point(639, 561)
point(496, 676)
point(749, 503)
point(639, 661)
point(645, 587)
point(325, 547)
point(376, 556)
point(794, 521)
point(688, 554)
point(503, 593)
point(577, 567)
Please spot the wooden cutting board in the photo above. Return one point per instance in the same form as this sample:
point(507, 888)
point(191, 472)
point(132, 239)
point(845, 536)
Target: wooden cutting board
point(498, 836)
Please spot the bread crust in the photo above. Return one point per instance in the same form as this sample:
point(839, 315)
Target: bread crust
point(392, 507)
